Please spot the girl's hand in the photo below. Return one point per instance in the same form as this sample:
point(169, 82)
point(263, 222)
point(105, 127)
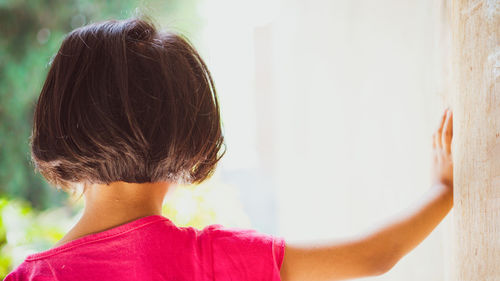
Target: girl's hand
point(442, 168)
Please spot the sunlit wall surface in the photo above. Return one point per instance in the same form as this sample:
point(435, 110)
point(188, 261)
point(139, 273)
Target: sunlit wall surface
point(329, 104)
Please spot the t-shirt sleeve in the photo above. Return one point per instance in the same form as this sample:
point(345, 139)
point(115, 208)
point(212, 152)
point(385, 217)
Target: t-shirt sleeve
point(245, 254)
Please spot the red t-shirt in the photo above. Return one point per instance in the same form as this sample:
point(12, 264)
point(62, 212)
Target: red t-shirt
point(154, 248)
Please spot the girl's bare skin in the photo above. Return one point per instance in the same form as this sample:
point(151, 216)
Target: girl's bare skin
point(376, 252)
point(108, 206)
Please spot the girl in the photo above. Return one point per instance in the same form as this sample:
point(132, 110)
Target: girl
point(127, 112)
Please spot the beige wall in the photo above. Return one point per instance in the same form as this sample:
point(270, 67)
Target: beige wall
point(475, 27)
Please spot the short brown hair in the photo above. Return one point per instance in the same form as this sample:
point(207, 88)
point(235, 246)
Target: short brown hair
point(125, 102)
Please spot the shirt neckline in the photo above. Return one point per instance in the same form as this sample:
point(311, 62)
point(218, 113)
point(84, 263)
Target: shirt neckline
point(102, 235)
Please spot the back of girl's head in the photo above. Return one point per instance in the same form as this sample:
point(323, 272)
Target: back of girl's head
point(125, 102)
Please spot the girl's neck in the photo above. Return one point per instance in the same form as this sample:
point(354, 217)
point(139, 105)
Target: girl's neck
point(108, 206)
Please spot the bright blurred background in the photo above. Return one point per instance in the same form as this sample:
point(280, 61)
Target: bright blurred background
point(328, 110)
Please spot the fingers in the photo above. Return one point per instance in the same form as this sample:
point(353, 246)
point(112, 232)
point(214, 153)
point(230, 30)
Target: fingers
point(447, 132)
point(439, 132)
point(443, 136)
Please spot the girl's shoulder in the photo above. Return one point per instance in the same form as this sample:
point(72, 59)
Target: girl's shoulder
point(246, 253)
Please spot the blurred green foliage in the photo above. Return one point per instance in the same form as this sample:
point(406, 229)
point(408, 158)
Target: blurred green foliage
point(24, 230)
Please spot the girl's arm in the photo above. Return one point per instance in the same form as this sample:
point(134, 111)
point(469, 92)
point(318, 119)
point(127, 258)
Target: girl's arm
point(378, 251)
